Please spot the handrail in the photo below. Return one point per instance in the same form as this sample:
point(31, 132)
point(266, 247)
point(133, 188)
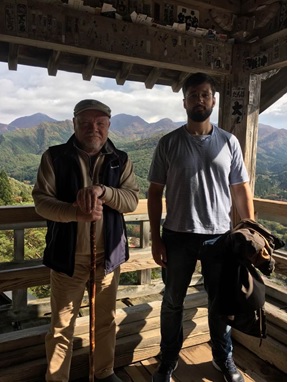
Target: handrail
point(18, 218)
point(271, 210)
point(12, 215)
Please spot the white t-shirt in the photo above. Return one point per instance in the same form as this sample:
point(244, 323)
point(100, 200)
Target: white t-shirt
point(197, 172)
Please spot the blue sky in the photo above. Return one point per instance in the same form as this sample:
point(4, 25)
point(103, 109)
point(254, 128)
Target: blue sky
point(31, 90)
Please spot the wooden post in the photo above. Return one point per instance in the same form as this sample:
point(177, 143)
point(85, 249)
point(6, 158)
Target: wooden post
point(239, 111)
point(144, 276)
point(144, 233)
point(19, 296)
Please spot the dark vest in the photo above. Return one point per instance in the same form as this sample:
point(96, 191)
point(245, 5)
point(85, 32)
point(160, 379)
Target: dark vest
point(59, 253)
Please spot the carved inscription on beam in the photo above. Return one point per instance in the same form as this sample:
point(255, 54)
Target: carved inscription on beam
point(123, 73)
point(98, 36)
point(13, 56)
point(53, 63)
point(88, 69)
point(267, 54)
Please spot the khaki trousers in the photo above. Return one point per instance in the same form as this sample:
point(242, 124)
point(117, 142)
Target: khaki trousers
point(66, 297)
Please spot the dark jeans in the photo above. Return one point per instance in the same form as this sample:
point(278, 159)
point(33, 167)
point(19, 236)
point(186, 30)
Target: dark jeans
point(182, 253)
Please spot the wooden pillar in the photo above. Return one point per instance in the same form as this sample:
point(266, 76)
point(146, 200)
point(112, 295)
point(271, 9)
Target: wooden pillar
point(239, 110)
point(144, 275)
point(19, 296)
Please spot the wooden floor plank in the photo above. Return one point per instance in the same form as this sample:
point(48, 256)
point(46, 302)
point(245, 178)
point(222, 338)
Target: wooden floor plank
point(195, 365)
point(150, 364)
point(258, 369)
point(198, 366)
point(138, 372)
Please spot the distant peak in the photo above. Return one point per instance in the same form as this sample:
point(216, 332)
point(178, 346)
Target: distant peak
point(30, 121)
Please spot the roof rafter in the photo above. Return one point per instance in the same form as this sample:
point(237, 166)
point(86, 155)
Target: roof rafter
point(53, 62)
point(89, 68)
point(13, 56)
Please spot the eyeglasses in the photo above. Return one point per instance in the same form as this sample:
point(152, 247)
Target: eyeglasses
point(195, 96)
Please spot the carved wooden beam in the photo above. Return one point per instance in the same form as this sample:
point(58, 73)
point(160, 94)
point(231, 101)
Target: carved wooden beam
point(110, 43)
point(273, 87)
point(13, 56)
point(152, 78)
point(267, 54)
point(53, 62)
point(123, 73)
point(248, 22)
point(91, 35)
point(88, 69)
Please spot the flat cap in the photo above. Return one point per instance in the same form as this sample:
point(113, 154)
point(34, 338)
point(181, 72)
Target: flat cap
point(91, 104)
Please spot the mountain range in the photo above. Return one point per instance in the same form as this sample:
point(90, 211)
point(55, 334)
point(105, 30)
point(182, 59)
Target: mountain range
point(122, 125)
point(24, 140)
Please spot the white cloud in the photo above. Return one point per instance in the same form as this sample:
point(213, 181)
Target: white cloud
point(31, 90)
point(276, 114)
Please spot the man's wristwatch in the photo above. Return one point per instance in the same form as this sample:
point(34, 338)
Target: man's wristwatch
point(103, 190)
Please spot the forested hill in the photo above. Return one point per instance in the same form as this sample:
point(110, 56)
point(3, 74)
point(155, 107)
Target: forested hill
point(21, 148)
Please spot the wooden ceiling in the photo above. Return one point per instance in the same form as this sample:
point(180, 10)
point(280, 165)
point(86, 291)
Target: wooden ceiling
point(154, 42)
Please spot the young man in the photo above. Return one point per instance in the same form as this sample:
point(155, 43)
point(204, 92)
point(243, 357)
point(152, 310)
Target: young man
point(86, 179)
point(202, 169)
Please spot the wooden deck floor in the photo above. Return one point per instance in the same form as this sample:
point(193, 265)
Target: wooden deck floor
point(195, 366)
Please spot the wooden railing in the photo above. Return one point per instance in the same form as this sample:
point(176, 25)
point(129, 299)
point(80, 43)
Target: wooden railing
point(22, 353)
point(271, 210)
point(19, 274)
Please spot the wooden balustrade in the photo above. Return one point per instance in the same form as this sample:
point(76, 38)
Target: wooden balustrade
point(138, 333)
point(20, 274)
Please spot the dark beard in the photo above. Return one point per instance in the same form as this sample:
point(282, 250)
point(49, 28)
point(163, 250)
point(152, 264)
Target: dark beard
point(199, 116)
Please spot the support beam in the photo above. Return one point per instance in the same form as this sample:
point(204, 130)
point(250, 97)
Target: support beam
point(123, 73)
point(13, 56)
point(88, 69)
point(110, 39)
point(251, 121)
point(152, 78)
point(273, 87)
point(155, 53)
point(267, 54)
point(176, 86)
point(53, 62)
point(239, 111)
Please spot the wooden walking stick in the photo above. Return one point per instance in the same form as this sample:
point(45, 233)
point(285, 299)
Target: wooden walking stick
point(92, 300)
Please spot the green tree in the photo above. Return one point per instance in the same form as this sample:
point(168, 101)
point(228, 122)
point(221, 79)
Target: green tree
point(5, 189)
point(6, 246)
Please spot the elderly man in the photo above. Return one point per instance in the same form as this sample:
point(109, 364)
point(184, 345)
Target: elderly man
point(84, 180)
